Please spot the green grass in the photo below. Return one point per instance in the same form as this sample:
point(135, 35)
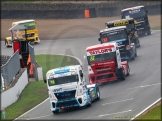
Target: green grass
point(36, 92)
point(156, 28)
point(154, 114)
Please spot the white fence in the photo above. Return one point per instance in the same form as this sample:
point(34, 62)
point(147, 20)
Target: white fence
point(11, 95)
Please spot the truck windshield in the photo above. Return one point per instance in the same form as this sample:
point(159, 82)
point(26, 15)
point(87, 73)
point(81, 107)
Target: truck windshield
point(63, 80)
point(135, 13)
point(113, 36)
point(29, 25)
point(101, 57)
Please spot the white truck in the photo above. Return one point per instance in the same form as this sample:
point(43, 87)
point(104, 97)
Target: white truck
point(67, 88)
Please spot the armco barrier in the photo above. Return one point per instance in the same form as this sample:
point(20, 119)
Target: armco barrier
point(11, 68)
point(11, 95)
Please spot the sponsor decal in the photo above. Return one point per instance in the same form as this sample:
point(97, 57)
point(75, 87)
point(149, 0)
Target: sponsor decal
point(121, 23)
point(100, 51)
point(58, 90)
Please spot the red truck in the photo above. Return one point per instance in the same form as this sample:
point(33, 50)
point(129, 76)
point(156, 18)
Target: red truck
point(104, 63)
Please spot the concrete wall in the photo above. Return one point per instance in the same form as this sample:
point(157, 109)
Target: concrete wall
point(11, 95)
point(69, 10)
point(40, 73)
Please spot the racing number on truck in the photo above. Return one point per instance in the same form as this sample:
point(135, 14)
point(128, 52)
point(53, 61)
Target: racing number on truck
point(92, 58)
point(52, 82)
point(105, 40)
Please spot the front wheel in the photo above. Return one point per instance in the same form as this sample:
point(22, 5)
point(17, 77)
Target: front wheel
point(122, 74)
point(98, 94)
point(55, 112)
point(6, 43)
point(149, 32)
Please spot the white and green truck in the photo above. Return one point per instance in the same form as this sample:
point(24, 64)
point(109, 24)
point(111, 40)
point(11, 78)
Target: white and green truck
point(67, 88)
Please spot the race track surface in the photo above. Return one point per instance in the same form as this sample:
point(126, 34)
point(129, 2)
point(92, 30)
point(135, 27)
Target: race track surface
point(120, 99)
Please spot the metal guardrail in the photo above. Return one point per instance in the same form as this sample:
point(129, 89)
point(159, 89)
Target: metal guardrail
point(10, 69)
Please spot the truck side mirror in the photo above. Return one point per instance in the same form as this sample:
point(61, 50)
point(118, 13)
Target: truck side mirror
point(45, 81)
point(99, 39)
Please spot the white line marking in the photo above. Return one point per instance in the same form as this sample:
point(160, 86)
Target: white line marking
point(144, 86)
point(39, 117)
point(109, 114)
point(32, 109)
point(145, 109)
point(118, 101)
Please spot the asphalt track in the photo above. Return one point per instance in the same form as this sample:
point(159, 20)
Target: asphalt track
point(120, 99)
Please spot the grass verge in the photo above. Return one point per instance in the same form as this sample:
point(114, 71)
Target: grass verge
point(156, 28)
point(153, 114)
point(36, 92)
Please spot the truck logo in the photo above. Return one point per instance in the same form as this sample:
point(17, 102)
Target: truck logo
point(121, 23)
point(100, 51)
point(57, 90)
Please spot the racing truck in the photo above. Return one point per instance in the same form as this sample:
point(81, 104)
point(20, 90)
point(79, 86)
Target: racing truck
point(104, 63)
point(130, 24)
point(67, 88)
point(139, 13)
point(31, 32)
point(120, 35)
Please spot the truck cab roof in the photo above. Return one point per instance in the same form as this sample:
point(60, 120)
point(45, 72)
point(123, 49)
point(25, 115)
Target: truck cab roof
point(132, 8)
point(23, 21)
point(102, 46)
point(113, 28)
point(120, 20)
point(64, 69)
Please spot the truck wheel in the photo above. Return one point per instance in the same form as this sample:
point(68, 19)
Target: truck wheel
point(128, 71)
point(149, 32)
point(98, 94)
point(55, 112)
point(6, 43)
point(122, 74)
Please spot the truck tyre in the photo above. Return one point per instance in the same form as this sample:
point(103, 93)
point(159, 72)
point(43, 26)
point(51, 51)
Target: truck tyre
point(98, 94)
point(149, 32)
point(128, 70)
point(6, 43)
point(55, 112)
point(122, 74)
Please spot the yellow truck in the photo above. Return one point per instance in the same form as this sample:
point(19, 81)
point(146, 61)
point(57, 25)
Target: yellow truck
point(31, 31)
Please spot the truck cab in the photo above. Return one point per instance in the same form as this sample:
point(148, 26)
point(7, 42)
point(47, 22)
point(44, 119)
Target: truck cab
point(67, 88)
point(139, 13)
point(130, 24)
point(104, 63)
point(31, 32)
point(120, 35)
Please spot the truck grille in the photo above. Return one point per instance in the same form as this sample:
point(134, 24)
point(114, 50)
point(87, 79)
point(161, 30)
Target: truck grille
point(65, 95)
point(140, 25)
point(28, 35)
point(105, 76)
point(105, 71)
point(68, 103)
